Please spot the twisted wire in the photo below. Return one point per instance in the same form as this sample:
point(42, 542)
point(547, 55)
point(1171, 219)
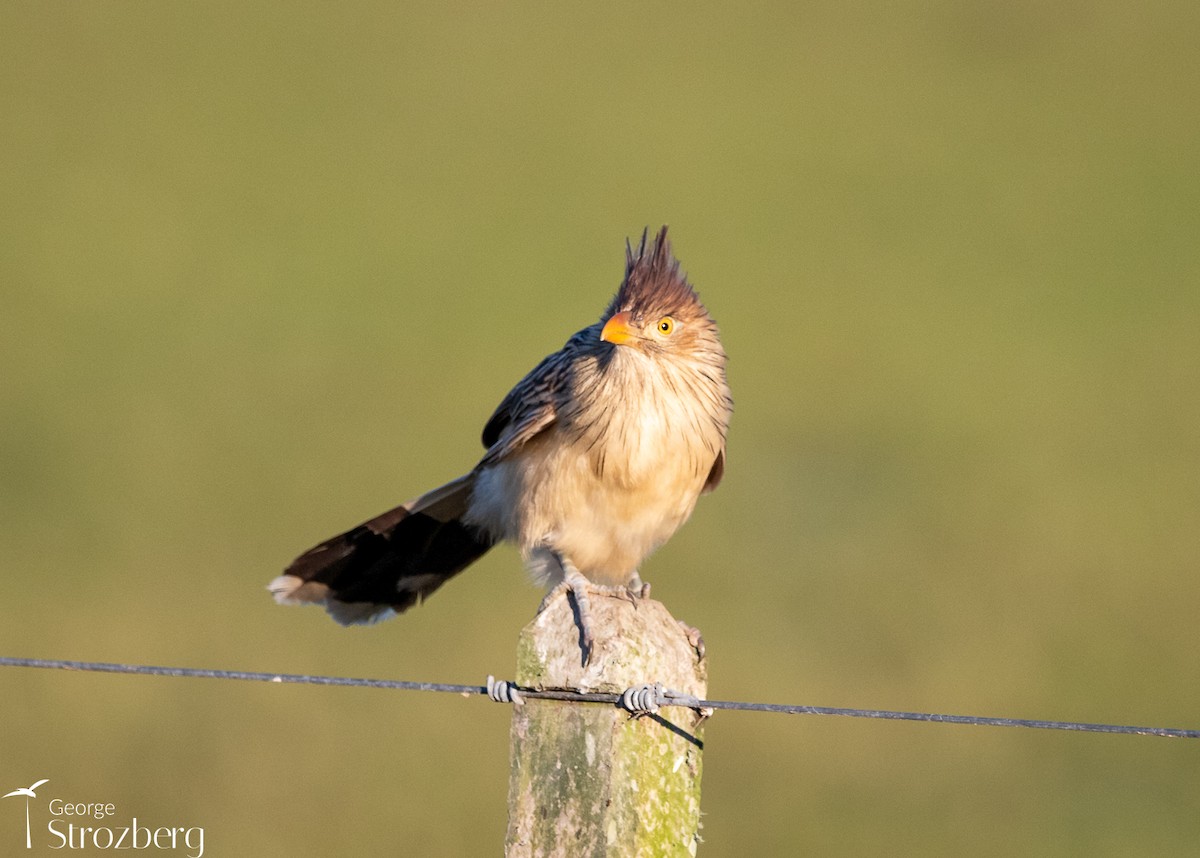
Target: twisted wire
point(638, 699)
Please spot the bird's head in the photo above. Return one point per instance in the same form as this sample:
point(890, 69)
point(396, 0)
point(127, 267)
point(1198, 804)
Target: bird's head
point(656, 310)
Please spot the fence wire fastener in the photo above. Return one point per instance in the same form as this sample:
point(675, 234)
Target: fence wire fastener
point(503, 691)
point(640, 700)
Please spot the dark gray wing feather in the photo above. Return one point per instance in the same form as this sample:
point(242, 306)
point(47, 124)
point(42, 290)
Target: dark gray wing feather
point(531, 407)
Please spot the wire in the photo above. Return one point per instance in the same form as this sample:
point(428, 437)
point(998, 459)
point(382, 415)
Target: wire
point(667, 698)
point(294, 678)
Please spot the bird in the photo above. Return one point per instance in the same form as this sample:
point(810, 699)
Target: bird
point(592, 461)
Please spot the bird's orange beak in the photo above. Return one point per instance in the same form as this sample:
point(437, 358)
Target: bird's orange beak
point(617, 330)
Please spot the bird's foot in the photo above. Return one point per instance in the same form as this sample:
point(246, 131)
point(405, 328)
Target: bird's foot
point(637, 589)
point(694, 637)
point(579, 587)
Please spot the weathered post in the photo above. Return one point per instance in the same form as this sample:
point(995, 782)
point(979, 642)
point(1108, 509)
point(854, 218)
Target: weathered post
point(588, 779)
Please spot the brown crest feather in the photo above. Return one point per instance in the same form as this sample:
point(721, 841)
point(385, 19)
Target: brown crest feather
point(653, 283)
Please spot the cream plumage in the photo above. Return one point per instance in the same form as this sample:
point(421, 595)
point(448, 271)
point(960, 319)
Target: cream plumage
point(593, 460)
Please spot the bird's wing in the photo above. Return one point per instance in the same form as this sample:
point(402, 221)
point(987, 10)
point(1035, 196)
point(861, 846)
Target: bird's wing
point(38, 784)
point(715, 474)
point(14, 792)
point(529, 408)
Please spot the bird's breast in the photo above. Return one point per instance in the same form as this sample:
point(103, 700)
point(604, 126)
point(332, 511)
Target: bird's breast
point(611, 480)
point(643, 429)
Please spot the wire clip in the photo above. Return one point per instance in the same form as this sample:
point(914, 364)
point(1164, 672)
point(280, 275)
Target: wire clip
point(646, 699)
point(503, 691)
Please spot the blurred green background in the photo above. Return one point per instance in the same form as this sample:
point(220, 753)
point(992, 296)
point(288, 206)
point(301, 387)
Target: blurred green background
point(266, 271)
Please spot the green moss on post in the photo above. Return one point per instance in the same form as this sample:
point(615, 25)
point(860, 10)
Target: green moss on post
point(587, 779)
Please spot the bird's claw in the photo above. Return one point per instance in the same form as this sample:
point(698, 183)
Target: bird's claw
point(577, 586)
point(693, 637)
point(637, 589)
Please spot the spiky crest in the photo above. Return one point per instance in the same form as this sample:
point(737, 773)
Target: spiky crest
point(653, 283)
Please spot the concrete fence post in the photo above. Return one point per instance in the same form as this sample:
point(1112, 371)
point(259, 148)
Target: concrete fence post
point(587, 779)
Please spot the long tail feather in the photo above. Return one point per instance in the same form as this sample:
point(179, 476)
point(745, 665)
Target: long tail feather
point(389, 563)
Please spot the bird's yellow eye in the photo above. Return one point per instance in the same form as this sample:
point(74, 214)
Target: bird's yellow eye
point(666, 324)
